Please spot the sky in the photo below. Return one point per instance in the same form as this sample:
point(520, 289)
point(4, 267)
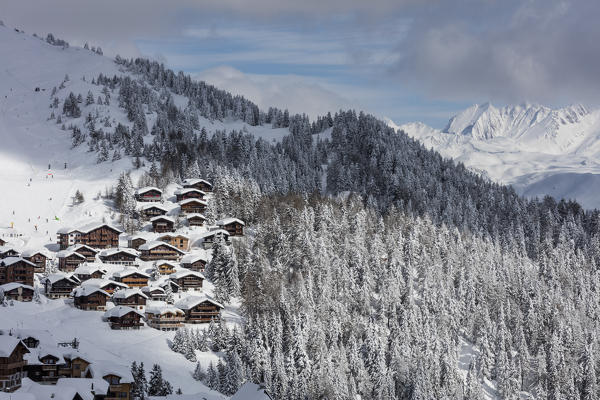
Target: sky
point(409, 60)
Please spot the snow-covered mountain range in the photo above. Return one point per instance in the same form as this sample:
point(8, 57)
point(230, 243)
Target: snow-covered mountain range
point(537, 149)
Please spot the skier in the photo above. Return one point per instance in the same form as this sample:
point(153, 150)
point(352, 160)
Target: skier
point(65, 165)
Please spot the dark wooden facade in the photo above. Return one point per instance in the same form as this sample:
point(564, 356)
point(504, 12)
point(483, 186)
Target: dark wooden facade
point(8, 252)
point(163, 224)
point(189, 193)
point(86, 251)
point(119, 258)
point(101, 237)
point(12, 366)
point(148, 194)
point(17, 292)
point(193, 206)
point(133, 300)
point(133, 279)
point(202, 312)
point(196, 220)
point(46, 370)
point(39, 259)
point(68, 262)
point(56, 288)
point(199, 184)
point(152, 211)
point(16, 269)
point(234, 228)
point(161, 251)
point(95, 300)
point(136, 243)
point(167, 318)
point(131, 320)
point(194, 263)
point(187, 280)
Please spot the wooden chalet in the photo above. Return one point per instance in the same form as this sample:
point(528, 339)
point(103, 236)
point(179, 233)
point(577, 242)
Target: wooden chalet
point(90, 298)
point(119, 256)
point(16, 269)
point(163, 224)
point(192, 206)
point(154, 293)
point(123, 317)
point(90, 271)
point(210, 237)
point(88, 252)
point(157, 250)
point(101, 236)
point(234, 226)
point(148, 193)
point(109, 286)
point(153, 210)
point(44, 365)
point(199, 184)
point(164, 317)
point(39, 258)
point(2, 242)
point(178, 240)
point(132, 277)
point(119, 378)
point(59, 285)
point(6, 252)
point(165, 267)
point(133, 298)
point(17, 291)
point(135, 241)
point(189, 193)
point(187, 279)
point(75, 365)
point(194, 262)
point(169, 283)
point(200, 309)
point(69, 260)
point(12, 363)
point(195, 219)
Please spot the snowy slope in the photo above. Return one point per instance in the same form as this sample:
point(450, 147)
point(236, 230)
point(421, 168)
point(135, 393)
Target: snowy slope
point(536, 149)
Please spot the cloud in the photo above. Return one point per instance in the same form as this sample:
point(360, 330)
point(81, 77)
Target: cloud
point(297, 94)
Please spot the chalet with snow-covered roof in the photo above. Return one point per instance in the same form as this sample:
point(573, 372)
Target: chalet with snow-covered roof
point(135, 241)
point(189, 193)
point(164, 317)
point(17, 291)
point(162, 224)
point(153, 210)
point(69, 260)
point(12, 363)
point(158, 250)
point(132, 277)
point(38, 257)
point(178, 240)
point(88, 252)
point(118, 377)
point(234, 226)
point(169, 283)
point(123, 317)
point(89, 271)
point(6, 251)
point(207, 239)
point(195, 219)
point(75, 364)
point(187, 279)
point(43, 364)
point(165, 267)
point(149, 193)
point(16, 269)
point(109, 286)
point(194, 262)
point(192, 206)
point(199, 184)
point(90, 298)
point(119, 256)
point(2, 242)
point(200, 309)
point(154, 293)
point(59, 285)
point(102, 236)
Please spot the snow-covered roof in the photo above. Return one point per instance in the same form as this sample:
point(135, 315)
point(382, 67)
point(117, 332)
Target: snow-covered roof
point(44, 336)
point(112, 252)
point(8, 344)
point(120, 311)
point(66, 230)
point(102, 368)
point(95, 225)
point(126, 293)
point(162, 218)
point(12, 260)
point(172, 235)
point(32, 252)
point(192, 301)
point(58, 276)
point(35, 355)
point(230, 220)
point(163, 309)
point(187, 201)
point(150, 289)
point(154, 205)
point(83, 386)
point(192, 258)
point(194, 181)
point(80, 246)
point(129, 271)
point(183, 272)
point(189, 190)
point(156, 243)
point(89, 268)
point(212, 233)
point(101, 283)
point(46, 392)
point(68, 253)
point(7, 287)
point(88, 290)
point(195, 215)
point(147, 189)
point(4, 249)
